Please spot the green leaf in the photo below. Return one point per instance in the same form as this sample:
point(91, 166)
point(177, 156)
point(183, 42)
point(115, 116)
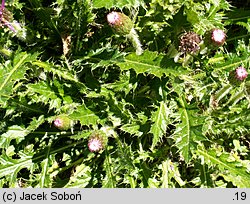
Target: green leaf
point(231, 63)
point(13, 72)
point(85, 116)
point(150, 63)
point(62, 73)
point(18, 133)
point(116, 106)
point(116, 3)
point(45, 180)
point(14, 132)
point(189, 132)
point(153, 183)
point(160, 119)
point(132, 129)
point(80, 178)
point(231, 168)
point(109, 180)
point(170, 171)
point(123, 84)
point(10, 167)
point(44, 93)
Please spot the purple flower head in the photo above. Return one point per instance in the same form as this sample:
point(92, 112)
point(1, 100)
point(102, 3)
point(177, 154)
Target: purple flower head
point(95, 144)
point(113, 18)
point(58, 122)
point(97, 141)
point(2, 9)
point(4, 17)
point(241, 73)
point(237, 76)
point(218, 36)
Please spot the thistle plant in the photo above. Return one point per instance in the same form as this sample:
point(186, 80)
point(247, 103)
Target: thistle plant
point(123, 25)
point(77, 112)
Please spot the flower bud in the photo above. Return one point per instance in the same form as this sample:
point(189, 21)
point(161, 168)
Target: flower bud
point(63, 122)
point(121, 23)
point(97, 141)
point(189, 43)
point(238, 75)
point(218, 37)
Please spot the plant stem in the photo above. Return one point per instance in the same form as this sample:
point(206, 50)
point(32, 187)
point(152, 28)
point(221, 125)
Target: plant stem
point(133, 36)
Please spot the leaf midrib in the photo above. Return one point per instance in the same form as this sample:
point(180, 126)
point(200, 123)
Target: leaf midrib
point(187, 126)
point(12, 71)
point(157, 123)
point(222, 164)
point(31, 159)
point(143, 64)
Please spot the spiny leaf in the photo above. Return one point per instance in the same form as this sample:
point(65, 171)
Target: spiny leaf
point(62, 73)
point(43, 92)
point(45, 180)
point(14, 132)
point(231, 168)
point(231, 63)
point(80, 177)
point(28, 159)
point(18, 133)
point(132, 129)
point(231, 122)
point(85, 116)
point(151, 63)
point(109, 180)
point(10, 167)
point(123, 84)
point(246, 25)
point(189, 132)
point(12, 72)
point(160, 119)
point(116, 3)
point(116, 106)
point(170, 171)
point(22, 105)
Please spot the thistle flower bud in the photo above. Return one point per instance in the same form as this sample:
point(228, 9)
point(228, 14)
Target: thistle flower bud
point(218, 37)
point(189, 43)
point(123, 25)
point(97, 141)
point(63, 122)
point(238, 75)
